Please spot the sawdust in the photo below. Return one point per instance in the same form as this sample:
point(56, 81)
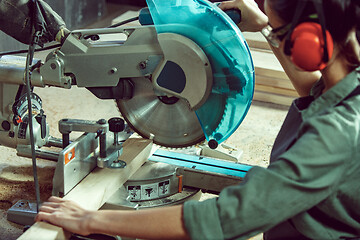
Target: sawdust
point(17, 183)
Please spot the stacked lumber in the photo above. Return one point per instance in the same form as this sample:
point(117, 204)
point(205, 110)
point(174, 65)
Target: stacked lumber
point(271, 83)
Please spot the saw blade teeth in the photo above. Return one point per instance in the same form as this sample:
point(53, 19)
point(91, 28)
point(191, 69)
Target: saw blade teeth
point(223, 117)
point(173, 124)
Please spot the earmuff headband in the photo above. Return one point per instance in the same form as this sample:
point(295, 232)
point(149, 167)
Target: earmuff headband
point(319, 9)
point(296, 19)
point(298, 12)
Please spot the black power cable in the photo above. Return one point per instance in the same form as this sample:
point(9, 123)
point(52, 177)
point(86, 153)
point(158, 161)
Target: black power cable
point(39, 28)
point(124, 22)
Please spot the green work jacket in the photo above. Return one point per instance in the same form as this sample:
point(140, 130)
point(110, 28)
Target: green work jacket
point(315, 183)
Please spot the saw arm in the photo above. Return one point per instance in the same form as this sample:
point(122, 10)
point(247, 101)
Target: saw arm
point(147, 73)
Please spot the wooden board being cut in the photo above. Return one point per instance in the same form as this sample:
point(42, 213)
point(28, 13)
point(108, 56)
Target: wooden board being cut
point(274, 82)
point(276, 90)
point(271, 82)
point(256, 40)
point(266, 64)
point(273, 98)
point(92, 192)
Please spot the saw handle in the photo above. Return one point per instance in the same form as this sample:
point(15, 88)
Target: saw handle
point(146, 19)
point(235, 15)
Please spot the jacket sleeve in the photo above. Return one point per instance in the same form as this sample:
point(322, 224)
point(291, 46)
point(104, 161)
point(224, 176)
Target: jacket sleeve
point(303, 177)
point(15, 20)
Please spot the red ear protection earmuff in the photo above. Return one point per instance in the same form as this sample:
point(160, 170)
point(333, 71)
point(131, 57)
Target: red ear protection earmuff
point(308, 46)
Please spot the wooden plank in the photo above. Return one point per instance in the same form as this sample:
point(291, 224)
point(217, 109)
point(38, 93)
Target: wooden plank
point(92, 192)
point(256, 40)
point(276, 90)
point(275, 82)
point(266, 64)
point(44, 231)
point(273, 98)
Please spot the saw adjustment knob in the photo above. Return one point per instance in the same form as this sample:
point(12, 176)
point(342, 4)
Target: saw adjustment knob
point(116, 124)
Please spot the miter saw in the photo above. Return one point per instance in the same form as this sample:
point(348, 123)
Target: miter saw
point(184, 76)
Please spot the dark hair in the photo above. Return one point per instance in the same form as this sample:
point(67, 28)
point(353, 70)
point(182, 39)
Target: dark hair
point(341, 17)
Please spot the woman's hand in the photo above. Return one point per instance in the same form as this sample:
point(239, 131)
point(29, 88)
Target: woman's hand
point(252, 18)
point(154, 223)
point(65, 214)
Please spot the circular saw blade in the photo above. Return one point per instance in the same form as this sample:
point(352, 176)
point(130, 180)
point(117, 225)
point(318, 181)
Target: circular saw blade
point(169, 121)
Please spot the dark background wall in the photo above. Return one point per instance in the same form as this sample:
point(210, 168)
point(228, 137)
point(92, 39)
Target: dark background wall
point(142, 3)
point(139, 3)
point(77, 14)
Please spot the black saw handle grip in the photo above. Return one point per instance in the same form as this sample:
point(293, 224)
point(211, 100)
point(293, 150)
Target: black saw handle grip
point(234, 14)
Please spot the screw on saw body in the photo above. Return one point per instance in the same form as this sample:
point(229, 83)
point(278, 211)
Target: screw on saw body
point(113, 70)
point(101, 121)
point(143, 64)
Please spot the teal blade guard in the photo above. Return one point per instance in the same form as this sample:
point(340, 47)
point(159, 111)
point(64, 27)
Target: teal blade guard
point(223, 43)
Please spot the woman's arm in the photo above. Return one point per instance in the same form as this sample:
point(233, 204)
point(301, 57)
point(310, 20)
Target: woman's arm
point(155, 223)
point(301, 80)
point(254, 20)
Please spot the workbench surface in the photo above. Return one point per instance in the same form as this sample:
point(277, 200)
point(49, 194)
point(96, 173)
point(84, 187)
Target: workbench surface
point(255, 137)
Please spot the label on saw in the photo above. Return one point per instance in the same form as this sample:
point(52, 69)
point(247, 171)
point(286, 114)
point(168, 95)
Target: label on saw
point(164, 188)
point(70, 155)
point(149, 191)
point(134, 192)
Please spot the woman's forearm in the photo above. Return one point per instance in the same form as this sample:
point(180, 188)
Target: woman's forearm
point(301, 80)
point(155, 223)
